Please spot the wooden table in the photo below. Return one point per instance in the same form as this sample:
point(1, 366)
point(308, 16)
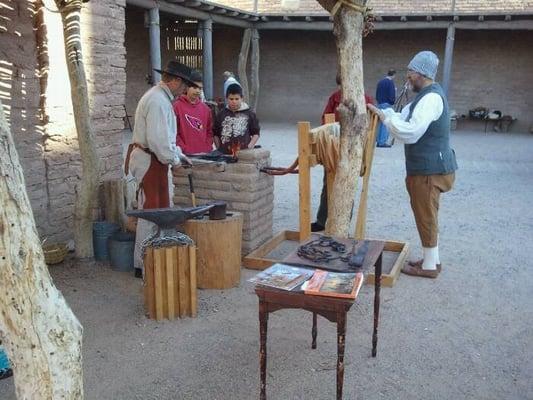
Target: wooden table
point(331, 308)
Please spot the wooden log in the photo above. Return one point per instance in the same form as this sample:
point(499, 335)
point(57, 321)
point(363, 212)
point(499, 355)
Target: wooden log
point(241, 65)
point(254, 71)
point(304, 180)
point(113, 197)
point(218, 244)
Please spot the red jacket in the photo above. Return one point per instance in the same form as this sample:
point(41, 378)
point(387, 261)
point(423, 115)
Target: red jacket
point(334, 101)
point(195, 127)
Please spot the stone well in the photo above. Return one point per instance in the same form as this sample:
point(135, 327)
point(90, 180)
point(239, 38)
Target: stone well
point(241, 186)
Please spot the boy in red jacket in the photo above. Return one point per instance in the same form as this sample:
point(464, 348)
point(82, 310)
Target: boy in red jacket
point(195, 132)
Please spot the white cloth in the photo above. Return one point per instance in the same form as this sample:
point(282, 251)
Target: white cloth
point(156, 126)
point(427, 110)
point(230, 81)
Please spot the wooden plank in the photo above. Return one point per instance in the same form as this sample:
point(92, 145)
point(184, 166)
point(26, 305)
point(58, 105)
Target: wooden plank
point(149, 282)
point(304, 180)
point(389, 279)
point(360, 226)
point(256, 259)
point(159, 269)
point(329, 118)
point(192, 268)
point(171, 264)
point(267, 247)
point(183, 283)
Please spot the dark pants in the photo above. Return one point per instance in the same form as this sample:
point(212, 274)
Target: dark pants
point(322, 213)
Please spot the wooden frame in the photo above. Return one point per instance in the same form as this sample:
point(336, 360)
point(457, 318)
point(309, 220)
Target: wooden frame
point(257, 258)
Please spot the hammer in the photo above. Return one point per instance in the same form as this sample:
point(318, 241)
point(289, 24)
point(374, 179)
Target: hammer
point(191, 189)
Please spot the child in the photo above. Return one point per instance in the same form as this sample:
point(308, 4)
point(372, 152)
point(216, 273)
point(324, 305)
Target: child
point(236, 123)
point(194, 119)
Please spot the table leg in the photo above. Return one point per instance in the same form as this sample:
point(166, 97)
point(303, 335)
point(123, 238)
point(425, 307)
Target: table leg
point(377, 289)
point(263, 325)
point(313, 332)
point(341, 335)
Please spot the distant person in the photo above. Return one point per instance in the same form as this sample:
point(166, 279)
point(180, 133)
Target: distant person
point(235, 125)
point(424, 127)
point(386, 97)
point(229, 79)
point(331, 108)
point(194, 121)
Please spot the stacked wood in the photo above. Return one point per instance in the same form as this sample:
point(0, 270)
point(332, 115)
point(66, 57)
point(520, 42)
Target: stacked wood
point(170, 282)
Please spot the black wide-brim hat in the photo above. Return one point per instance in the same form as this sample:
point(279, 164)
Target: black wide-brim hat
point(178, 69)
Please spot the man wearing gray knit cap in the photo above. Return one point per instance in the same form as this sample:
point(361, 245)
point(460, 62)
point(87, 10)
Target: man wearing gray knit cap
point(424, 127)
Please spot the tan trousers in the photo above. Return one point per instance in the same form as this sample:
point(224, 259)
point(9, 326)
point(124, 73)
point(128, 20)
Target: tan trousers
point(424, 191)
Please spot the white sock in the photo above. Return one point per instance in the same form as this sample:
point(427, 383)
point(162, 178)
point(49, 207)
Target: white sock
point(437, 260)
point(431, 255)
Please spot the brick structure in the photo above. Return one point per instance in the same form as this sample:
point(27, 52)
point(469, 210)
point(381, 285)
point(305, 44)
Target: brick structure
point(44, 132)
point(241, 186)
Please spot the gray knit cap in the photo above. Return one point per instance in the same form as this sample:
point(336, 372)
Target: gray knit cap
point(425, 63)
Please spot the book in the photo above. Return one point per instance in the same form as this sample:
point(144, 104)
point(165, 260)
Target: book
point(282, 276)
point(334, 284)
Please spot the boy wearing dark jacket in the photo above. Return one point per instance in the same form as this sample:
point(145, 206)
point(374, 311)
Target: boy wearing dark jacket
point(236, 124)
point(194, 119)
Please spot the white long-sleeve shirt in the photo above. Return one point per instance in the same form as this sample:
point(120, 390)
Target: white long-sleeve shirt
point(428, 109)
point(156, 126)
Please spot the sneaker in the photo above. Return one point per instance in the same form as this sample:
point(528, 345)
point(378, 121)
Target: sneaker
point(316, 227)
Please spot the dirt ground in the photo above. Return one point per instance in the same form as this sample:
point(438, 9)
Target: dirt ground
point(466, 335)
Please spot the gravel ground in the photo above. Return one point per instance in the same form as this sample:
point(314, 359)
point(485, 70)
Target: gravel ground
point(466, 335)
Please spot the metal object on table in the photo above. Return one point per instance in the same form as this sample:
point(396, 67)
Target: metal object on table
point(218, 211)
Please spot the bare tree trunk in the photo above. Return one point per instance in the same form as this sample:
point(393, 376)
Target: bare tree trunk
point(40, 333)
point(243, 59)
point(348, 26)
point(87, 193)
point(254, 89)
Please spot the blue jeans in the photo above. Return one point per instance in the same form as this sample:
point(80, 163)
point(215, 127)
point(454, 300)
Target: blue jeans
point(383, 135)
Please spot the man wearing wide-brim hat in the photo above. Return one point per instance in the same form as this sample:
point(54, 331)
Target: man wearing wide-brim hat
point(424, 127)
point(154, 146)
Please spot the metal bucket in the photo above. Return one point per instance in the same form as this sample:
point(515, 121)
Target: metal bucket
point(101, 232)
point(121, 247)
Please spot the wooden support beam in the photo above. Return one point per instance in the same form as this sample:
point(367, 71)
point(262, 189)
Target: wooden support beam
point(304, 179)
point(155, 44)
point(448, 57)
point(207, 50)
point(254, 75)
point(243, 59)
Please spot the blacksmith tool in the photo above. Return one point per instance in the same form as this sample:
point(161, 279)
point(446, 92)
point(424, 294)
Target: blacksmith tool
point(191, 189)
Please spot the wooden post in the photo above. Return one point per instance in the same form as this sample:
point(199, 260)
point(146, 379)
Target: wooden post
point(114, 201)
point(254, 89)
point(360, 225)
point(155, 44)
point(243, 58)
point(192, 267)
point(304, 179)
point(448, 57)
point(208, 58)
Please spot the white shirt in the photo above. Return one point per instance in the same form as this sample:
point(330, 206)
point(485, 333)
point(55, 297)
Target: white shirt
point(156, 126)
point(428, 109)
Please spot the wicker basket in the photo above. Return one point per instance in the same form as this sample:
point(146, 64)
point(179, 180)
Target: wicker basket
point(55, 253)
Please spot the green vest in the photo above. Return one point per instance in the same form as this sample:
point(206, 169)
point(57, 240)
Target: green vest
point(431, 154)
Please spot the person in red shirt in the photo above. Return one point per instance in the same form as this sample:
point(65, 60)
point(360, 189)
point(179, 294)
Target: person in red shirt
point(331, 108)
point(195, 125)
point(335, 99)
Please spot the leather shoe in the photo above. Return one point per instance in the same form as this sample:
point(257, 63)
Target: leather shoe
point(316, 227)
point(418, 264)
point(417, 271)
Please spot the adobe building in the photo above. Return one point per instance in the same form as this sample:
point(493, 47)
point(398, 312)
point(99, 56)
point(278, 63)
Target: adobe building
point(484, 48)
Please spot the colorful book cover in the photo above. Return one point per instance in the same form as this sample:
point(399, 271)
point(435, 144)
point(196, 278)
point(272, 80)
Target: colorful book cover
point(334, 284)
point(282, 276)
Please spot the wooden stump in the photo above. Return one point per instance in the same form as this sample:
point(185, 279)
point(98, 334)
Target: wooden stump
point(170, 282)
point(218, 244)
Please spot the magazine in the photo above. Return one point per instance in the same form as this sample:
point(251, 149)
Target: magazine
point(334, 284)
point(282, 276)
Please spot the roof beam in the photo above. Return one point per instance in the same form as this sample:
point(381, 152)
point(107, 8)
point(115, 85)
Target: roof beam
point(175, 9)
point(328, 26)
